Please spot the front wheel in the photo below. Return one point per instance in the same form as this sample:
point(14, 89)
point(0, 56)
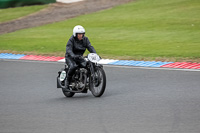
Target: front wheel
point(98, 82)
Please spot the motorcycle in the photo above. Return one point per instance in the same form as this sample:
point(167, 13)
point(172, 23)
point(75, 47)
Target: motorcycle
point(88, 76)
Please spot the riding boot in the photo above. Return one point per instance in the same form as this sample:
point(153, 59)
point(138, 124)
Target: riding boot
point(67, 82)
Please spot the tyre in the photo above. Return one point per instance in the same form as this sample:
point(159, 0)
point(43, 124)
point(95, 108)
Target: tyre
point(98, 83)
point(68, 94)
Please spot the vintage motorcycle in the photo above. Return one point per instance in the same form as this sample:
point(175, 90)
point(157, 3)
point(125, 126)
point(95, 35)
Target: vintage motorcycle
point(88, 76)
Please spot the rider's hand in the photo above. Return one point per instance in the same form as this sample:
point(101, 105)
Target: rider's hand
point(77, 57)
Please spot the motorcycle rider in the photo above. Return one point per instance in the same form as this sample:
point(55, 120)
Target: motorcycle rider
point(75, 49)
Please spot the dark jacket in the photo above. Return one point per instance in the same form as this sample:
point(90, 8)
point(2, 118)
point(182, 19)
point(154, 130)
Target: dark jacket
point(76, 47)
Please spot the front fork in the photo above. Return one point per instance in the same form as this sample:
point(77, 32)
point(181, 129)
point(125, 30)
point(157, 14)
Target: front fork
point(92, 71)
point(94, 78)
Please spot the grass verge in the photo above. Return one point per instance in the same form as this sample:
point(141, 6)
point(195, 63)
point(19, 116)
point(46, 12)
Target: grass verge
point(145, 29)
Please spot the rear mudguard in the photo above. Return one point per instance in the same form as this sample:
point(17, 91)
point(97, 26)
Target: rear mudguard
point(58, 85)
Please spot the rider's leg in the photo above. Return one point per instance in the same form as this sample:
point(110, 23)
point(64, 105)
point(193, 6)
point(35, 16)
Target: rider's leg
point(71, 68)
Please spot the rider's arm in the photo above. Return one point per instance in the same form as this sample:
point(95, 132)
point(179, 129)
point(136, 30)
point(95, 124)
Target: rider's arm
point(69, 47)
point(90, 47)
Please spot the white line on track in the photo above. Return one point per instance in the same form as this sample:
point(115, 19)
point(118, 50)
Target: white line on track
point(127, 67)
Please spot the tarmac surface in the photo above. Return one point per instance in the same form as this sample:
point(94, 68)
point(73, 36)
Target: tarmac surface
point(137, 100)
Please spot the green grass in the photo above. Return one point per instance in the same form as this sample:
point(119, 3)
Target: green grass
point(13, 13)
point(138, 30)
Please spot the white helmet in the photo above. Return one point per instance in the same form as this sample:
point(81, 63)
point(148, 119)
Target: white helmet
point(78, 29)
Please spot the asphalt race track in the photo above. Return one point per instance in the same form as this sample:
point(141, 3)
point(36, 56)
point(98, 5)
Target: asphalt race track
point(136, 100)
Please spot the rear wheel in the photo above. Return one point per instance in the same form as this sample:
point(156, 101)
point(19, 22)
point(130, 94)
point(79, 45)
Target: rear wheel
point(98, 82)
point(68, 94)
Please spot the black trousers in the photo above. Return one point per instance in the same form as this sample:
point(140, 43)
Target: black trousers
point(72, 65)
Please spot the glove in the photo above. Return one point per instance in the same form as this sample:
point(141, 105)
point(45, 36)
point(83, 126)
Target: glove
point(77, 57)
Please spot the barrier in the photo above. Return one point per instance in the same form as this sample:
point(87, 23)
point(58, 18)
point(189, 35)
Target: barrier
point(16, 3)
